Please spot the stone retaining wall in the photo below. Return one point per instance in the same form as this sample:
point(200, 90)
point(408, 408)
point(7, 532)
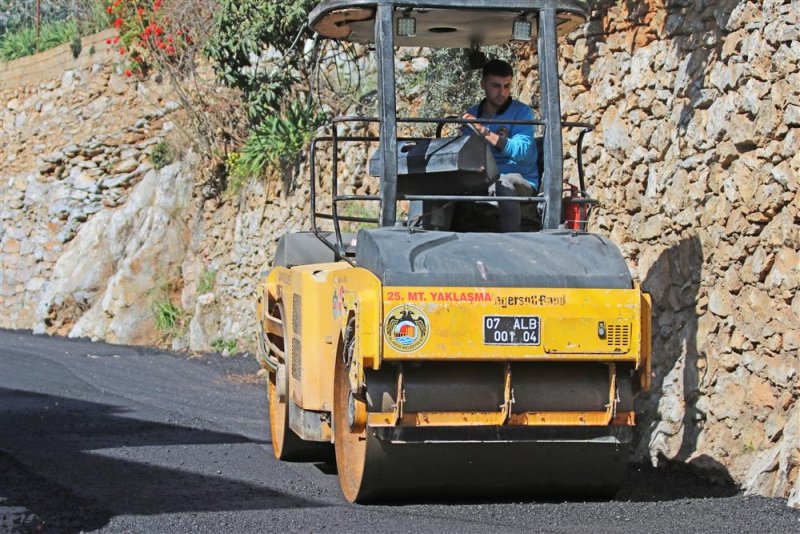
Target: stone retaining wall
point(70, 148)
point(695, 162)
point(92, 236)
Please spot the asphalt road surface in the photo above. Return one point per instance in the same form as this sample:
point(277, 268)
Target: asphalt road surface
point(97, 437)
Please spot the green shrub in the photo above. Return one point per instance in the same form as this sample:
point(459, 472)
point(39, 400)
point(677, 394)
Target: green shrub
point(76, 46)
point(94, 17)
point(248, 27)
point(224, 346)
point(207, 281)
point(15, 14)
point(277, 140)
point(162, 155)
point(280, 123)
point(62, 22)
point(22, 41)
point(169, 318)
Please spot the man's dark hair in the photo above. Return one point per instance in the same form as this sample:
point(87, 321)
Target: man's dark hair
point(497, 67)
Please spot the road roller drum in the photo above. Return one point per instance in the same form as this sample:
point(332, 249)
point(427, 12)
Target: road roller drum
point(459, 461)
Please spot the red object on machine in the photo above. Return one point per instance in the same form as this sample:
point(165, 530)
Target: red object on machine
point(576, 215)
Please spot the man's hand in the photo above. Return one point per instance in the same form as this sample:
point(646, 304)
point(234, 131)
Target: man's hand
point(494, 139)
point(476, 127)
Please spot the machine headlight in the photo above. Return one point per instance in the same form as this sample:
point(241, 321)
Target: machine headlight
point(406, 26)
point(521, 30)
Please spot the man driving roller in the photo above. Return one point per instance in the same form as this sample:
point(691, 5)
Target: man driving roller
point(513, 145)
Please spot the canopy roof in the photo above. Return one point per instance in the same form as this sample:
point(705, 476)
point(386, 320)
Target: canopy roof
point(441, 23)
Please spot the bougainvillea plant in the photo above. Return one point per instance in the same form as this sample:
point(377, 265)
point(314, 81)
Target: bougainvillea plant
point(146, 33)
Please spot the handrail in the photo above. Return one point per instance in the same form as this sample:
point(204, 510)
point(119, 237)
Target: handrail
point(435, 120)
point(472, 198)
point(349, 218)
point(338, 247)
point(586, 128)
point(313, 192)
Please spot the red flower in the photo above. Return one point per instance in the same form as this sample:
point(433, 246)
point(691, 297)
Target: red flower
point(108, 41)
point(108, 9)
point(140, 10)
point(118, 22)
point(128, 73)
point(122, 50)
point(116, 39)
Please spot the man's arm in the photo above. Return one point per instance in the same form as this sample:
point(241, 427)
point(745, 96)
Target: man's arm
point(482, 131)
point(518, 145)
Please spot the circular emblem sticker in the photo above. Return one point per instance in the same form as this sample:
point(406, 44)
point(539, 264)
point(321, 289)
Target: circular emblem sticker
point(406, 328)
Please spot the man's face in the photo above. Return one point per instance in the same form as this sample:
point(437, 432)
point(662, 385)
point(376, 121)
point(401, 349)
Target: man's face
point(497, 89)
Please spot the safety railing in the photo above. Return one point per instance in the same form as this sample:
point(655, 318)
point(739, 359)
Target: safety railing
point(578, 198)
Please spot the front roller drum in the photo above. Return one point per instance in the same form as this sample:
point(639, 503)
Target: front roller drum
point(452, 463)
point(350, 443)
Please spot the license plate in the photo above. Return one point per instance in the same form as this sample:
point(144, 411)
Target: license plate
point(511, 330)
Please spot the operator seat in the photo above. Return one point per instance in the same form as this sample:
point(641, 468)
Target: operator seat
point(450, 166)
point(484, 216)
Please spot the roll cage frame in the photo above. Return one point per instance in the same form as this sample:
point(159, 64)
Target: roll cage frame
point(552, 183)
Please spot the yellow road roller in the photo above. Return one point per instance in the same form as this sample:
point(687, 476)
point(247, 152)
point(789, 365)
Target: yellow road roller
point(436, 355)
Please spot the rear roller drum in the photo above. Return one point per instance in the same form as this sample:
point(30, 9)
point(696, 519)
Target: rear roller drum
point(286, 445)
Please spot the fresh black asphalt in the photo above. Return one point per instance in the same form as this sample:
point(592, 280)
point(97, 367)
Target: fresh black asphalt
point(98, 437)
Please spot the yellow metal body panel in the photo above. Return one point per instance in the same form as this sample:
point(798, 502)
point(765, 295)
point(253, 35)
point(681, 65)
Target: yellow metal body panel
point(569, 323)
point(435, 419)
point(261, 313)
point(317, 301)
point(505, 416)
point(308, 341)
point(447, 324)
point(644, 365)
point(359, 294)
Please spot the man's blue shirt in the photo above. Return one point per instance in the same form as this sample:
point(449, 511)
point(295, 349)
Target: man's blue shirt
point(519, 155)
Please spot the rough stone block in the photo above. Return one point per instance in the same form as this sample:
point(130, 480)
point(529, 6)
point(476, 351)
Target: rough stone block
point(743, 133)
point(720, 302)
point(792, 116)
point(785, 272)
